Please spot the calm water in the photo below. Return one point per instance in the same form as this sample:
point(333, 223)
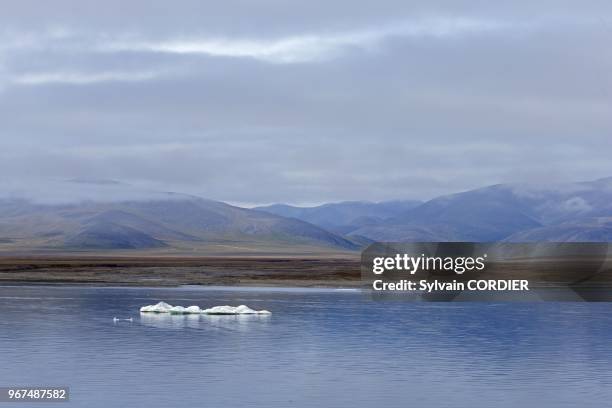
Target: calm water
point(318, 349)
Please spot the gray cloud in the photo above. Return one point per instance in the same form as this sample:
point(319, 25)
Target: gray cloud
point(257, 102)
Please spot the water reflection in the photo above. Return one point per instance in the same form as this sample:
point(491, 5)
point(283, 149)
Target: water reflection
point(170, 321)
point(201, 321)
point(236, 322)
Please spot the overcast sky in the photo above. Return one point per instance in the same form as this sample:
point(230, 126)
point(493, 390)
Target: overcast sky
point(305, 102)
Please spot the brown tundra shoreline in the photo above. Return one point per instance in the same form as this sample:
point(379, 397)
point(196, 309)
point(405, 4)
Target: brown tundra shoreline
point(176, 271)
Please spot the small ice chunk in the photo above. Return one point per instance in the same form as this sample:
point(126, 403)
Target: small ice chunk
point(177, 310)
point(231, 310)
point(220, 310)
point(161, 307)
point(242, 309)
point(185, 310)
point(193, 309)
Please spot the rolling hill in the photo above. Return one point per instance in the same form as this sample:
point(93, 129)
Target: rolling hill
point(561, 212)
point(343, 217)
point(582, 230)
point(118, 217)
point(161, 221)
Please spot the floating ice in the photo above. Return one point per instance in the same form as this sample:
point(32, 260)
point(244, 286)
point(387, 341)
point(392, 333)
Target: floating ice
point(185, 310)
point(177, 310)
point(230, 310)
point(163, 307)
point(193, 309)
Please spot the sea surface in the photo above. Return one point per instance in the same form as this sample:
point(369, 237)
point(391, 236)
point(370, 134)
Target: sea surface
point(319, 348)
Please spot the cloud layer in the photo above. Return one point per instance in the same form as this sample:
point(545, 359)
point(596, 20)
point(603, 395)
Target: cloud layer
point(258, 102)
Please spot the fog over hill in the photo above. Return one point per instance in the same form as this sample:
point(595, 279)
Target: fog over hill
point(518, 212)
point(256, 103)
point(94, 215)
point(104, 215)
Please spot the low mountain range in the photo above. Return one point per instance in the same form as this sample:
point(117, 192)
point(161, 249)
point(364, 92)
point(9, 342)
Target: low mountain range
point(159, 221)
point(559, 212)
point(119, 217)
point(344, 217)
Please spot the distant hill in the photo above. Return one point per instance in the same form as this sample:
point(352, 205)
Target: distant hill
point(162, 221)
point(560, 212)
point(343, 217)
point(104, 216)
point(487, 214)
point(583, 230)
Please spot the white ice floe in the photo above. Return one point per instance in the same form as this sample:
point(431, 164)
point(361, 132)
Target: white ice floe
point(185, 310)
point(163, 307)
point(193, 309)
point(177, 310)
point(231, 310)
